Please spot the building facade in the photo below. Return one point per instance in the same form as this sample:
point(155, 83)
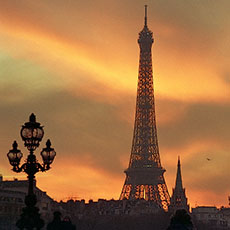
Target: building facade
point(212, 217)
point(12, 195)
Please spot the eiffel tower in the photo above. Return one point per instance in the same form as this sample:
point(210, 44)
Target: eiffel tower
point(144, 176)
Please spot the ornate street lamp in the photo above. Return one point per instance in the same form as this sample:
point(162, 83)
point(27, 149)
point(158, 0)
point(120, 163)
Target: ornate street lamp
point(31, 133)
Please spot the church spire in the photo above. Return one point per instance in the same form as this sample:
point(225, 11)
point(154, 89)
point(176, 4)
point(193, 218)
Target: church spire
point(178, 185)
point(178, 199)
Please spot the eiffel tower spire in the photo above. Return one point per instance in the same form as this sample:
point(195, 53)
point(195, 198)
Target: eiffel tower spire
point(146, 15)
point(144, 176)
point(178, 199)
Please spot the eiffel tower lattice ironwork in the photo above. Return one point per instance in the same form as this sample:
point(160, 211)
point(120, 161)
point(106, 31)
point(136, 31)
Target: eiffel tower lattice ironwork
point(144, 176)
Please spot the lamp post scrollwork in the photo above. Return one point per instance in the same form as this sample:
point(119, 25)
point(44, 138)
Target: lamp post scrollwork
point(31, 133)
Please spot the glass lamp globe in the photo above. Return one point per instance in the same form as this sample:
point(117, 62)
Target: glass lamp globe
point(14, 155)
point(32, 133)
point(48, 154)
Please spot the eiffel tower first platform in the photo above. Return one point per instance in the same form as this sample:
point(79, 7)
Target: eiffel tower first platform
point(144, 176)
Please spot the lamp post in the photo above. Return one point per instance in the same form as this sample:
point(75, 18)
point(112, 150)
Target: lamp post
point(31, 133)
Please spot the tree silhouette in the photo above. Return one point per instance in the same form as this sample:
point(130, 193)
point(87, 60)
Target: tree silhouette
point(181, 221)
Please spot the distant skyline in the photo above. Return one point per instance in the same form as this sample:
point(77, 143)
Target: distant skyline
point(75, 65)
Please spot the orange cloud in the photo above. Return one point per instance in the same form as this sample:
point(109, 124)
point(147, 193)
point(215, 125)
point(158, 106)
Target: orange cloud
point(64, 173)
point(91, 51)
point(174, 68)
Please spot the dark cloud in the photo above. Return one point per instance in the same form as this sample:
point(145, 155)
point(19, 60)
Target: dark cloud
point(81, 129)
point(201, 131)
point(201, 121)
point(97, 131)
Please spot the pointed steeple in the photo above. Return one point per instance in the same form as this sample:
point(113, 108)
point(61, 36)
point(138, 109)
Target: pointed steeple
point(178, 185)
point(178, 199)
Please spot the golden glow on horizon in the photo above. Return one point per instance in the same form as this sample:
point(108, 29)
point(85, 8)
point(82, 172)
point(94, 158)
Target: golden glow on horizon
point(79, 176)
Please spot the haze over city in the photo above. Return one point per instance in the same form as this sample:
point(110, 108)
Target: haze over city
point(75, 65)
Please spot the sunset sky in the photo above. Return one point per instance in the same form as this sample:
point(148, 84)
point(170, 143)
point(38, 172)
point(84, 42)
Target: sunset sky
point(75, 65)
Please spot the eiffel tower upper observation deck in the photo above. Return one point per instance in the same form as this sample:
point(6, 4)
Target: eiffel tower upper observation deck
point(144, 176)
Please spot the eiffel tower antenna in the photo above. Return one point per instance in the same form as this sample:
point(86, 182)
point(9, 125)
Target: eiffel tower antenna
point(146, 15)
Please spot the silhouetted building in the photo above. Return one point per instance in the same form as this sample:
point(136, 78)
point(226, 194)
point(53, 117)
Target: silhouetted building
point(12, 195)
point(210, 217)
point(178, 199)
point(11, 204)
point(144, 176)
point(115, 214)
point(107, 207)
